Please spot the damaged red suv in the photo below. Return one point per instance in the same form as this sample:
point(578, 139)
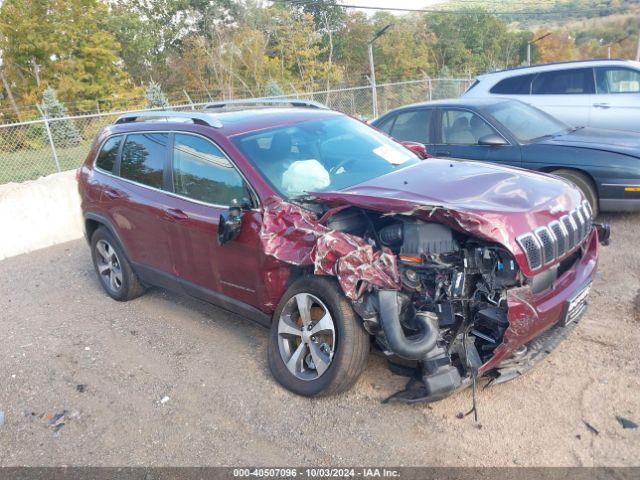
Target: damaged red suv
point(341, 240)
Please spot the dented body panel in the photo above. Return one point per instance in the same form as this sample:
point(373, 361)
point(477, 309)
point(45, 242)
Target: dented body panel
point(495, 203)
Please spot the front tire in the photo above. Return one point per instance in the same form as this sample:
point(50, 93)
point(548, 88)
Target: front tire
point(317, 345)
point(584, 183)
point(112, 267)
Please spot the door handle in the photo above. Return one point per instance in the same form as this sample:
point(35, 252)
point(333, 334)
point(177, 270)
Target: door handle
point(443, 153)
point(175, 214)
point(602, 105)
point(112, 194)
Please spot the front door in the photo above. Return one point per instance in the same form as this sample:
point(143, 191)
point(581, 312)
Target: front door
point(616, 104)
point(204, 184)
point(458, 135)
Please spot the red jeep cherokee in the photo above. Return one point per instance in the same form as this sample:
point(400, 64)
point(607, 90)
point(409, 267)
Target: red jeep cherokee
point(341, 239)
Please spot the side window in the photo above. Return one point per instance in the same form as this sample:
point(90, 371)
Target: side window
point(202, 172)
point(520, 85)
point(460, 127)
point(386, 125)
point(617, 80)
point(107, 156)
point(143, 158)
point(412, 126)
point(564, 82)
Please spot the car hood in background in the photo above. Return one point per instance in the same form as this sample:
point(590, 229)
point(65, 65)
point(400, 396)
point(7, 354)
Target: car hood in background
point(489, 201)
point(618, 141)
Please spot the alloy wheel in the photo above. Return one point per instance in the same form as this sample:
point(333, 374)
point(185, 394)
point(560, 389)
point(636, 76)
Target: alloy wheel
point(306, 336)
point(109, 266)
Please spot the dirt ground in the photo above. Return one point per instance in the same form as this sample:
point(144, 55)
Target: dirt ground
point(166, 380)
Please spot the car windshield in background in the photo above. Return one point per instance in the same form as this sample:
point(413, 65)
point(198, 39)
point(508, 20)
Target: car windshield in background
point(526, 123)
point(329, 154)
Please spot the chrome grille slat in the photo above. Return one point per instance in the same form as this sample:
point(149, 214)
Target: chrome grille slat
point(561, 236)
point(548, 243)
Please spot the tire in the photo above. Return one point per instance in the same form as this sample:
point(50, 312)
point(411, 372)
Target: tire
point(349, 343)
point(584, 183)
point(109, 258)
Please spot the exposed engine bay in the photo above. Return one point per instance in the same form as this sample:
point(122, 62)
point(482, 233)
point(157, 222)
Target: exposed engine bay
point(451, 310)
point(440, 303)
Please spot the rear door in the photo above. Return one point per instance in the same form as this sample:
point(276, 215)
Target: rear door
point(457, 135)
point(135, 204)
point(204, 183)
point(412, 125)
point(566, 94)
point(616, 104)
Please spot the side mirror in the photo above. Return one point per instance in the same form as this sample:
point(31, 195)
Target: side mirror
point(492, 140)
point(230, 222)
point(419, 149)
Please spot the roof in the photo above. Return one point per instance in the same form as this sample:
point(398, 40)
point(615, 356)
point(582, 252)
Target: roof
point(590, 62)
point(469, 102)
point(233, 122)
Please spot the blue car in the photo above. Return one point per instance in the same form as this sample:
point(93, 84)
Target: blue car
point(604, 164)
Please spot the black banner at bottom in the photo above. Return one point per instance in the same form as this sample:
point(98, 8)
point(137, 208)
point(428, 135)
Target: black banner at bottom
point(396, 473)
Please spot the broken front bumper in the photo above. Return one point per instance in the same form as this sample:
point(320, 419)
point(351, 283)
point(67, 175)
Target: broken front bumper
point(530, 315)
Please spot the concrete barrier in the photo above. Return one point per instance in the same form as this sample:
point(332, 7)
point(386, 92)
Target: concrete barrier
point(39, 213)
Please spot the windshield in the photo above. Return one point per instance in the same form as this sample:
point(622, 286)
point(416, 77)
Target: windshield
point(329, 154)
point(526, 123)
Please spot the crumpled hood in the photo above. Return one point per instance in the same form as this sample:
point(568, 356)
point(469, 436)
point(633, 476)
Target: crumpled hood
point(488, 201)
point(617, 141)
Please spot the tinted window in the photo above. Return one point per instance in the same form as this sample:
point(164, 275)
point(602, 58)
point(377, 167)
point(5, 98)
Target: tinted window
point(520, 85)
point(143, 158)
point(412, 126)
point(460, 127)
point(386, 124)
point(617, 80)
point(564, 82)
point(107, 156)
point(202, 172)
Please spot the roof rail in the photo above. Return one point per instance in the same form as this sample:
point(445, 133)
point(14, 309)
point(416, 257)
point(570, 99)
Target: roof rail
point(564, 62)
point(170, 116)
point(265, 102)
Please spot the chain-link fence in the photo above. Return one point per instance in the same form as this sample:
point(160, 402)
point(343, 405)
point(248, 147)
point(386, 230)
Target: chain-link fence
point(32, 149)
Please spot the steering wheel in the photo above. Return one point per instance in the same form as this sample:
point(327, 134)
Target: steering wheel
point(333, 170)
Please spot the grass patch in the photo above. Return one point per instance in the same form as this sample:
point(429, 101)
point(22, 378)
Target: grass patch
point(31, 164)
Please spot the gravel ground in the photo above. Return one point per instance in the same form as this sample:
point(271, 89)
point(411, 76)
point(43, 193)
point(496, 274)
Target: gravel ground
point(166, 380)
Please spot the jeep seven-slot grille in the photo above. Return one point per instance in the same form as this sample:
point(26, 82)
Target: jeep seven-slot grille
point(546, 244)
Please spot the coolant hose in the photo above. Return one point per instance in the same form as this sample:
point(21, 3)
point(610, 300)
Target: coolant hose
point(411, 349)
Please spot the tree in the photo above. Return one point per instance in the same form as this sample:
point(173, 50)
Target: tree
point(64, 44)
point(155, 97)
point(273, 89)
point(63, 132)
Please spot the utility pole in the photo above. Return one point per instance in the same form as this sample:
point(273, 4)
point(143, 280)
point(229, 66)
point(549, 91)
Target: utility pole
point(372, 78)
point(531, 43)
point(638, 48)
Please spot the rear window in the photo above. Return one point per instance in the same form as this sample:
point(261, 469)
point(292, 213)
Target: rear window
point(107, 157)
point(143, 157)
point(519, 85)
point(564, 82)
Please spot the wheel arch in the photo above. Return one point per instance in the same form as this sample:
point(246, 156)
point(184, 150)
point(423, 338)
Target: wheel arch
point(553, 168)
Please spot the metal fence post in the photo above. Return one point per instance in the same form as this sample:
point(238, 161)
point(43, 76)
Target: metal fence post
point(53, 146)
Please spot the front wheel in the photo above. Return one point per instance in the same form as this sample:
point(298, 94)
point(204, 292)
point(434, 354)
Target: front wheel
point(584, 183)
point(317, 345)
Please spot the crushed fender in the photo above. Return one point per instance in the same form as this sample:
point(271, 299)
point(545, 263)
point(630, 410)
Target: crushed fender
point(294, 235)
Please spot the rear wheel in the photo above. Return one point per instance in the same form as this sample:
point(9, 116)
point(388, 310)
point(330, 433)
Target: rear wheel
point(584, 183)
point(114, 271)
point(317, 345)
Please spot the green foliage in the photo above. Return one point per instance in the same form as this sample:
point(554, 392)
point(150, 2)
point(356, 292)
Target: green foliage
point(273, 89)
point(102, 52)
point(155, 97)
point(63, 132)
